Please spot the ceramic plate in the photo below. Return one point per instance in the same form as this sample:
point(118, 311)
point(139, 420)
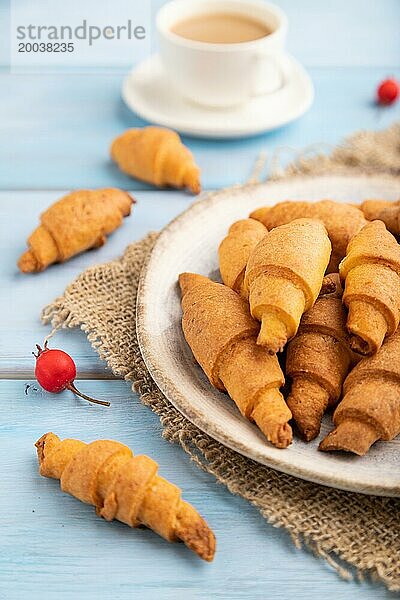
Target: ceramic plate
point(148, 92)
point(190, 243)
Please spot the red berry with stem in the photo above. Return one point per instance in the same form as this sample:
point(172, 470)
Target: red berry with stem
point(55, 371)
point(388, 91)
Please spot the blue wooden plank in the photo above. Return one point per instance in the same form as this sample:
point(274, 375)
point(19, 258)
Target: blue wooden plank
point(25, 295)
point(344, 33)
point(57, 136)
point(320, 33)
point(54, 545)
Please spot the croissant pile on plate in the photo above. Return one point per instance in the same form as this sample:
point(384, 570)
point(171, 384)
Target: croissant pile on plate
point(307, 318)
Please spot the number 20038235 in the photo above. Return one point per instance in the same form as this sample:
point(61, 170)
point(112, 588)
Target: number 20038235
point(46, 47)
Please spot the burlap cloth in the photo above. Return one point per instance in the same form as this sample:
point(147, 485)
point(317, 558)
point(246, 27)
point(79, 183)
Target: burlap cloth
point(358, 535)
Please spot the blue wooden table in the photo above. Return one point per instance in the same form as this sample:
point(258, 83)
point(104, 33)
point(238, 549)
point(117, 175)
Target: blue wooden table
point(54, 135)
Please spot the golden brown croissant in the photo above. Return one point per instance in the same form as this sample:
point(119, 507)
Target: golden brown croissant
point(342, 221)
point(284, 275)
point(370, 409)
point(77, 222)
point(371, 271)
point(222, 336)
point(156, 155)
point(383, 210)
point(235, 249)
point(318, 360)
point(124, 487)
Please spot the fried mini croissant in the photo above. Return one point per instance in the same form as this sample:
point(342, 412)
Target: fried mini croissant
point(383, 210)
point(235, 249)
point(284, 276)
point(371, 271)
point(370, 409)
point(124, 487)
point(342, 221)
point(156, 155)
point(318, 360)
point(222, 336)
point(77, 222)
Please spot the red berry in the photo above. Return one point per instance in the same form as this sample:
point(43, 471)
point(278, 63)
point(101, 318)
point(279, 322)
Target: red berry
point(388, 91)
point(55, 371)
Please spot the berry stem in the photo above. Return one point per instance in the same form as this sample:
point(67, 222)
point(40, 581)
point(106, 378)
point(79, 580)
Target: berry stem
point(73, 389)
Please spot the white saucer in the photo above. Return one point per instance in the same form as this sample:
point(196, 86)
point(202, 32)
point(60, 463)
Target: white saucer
point(148, 92)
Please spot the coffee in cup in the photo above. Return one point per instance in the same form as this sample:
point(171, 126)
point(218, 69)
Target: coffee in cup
point(219, 53)
point(221, 28)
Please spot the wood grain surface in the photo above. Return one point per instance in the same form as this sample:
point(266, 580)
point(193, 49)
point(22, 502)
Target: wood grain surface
point(55, 132)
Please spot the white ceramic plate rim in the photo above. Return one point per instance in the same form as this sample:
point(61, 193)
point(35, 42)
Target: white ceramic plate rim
point(189, 127)
point(278, 459)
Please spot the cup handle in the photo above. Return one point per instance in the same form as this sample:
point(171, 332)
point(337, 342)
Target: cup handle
point(270, 74)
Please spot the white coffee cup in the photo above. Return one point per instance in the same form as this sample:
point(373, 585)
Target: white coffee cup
point(222, 75)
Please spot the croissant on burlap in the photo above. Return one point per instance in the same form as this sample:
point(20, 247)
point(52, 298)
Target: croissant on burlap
point(284, 276)
point(371, 271)
point(124, 487)
point(235, 249)
point(156, 155)
point(318, 360)
point(370, 409)
point(77, 222)
point(342, 222)
point(383, 210)
point(222, 336)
